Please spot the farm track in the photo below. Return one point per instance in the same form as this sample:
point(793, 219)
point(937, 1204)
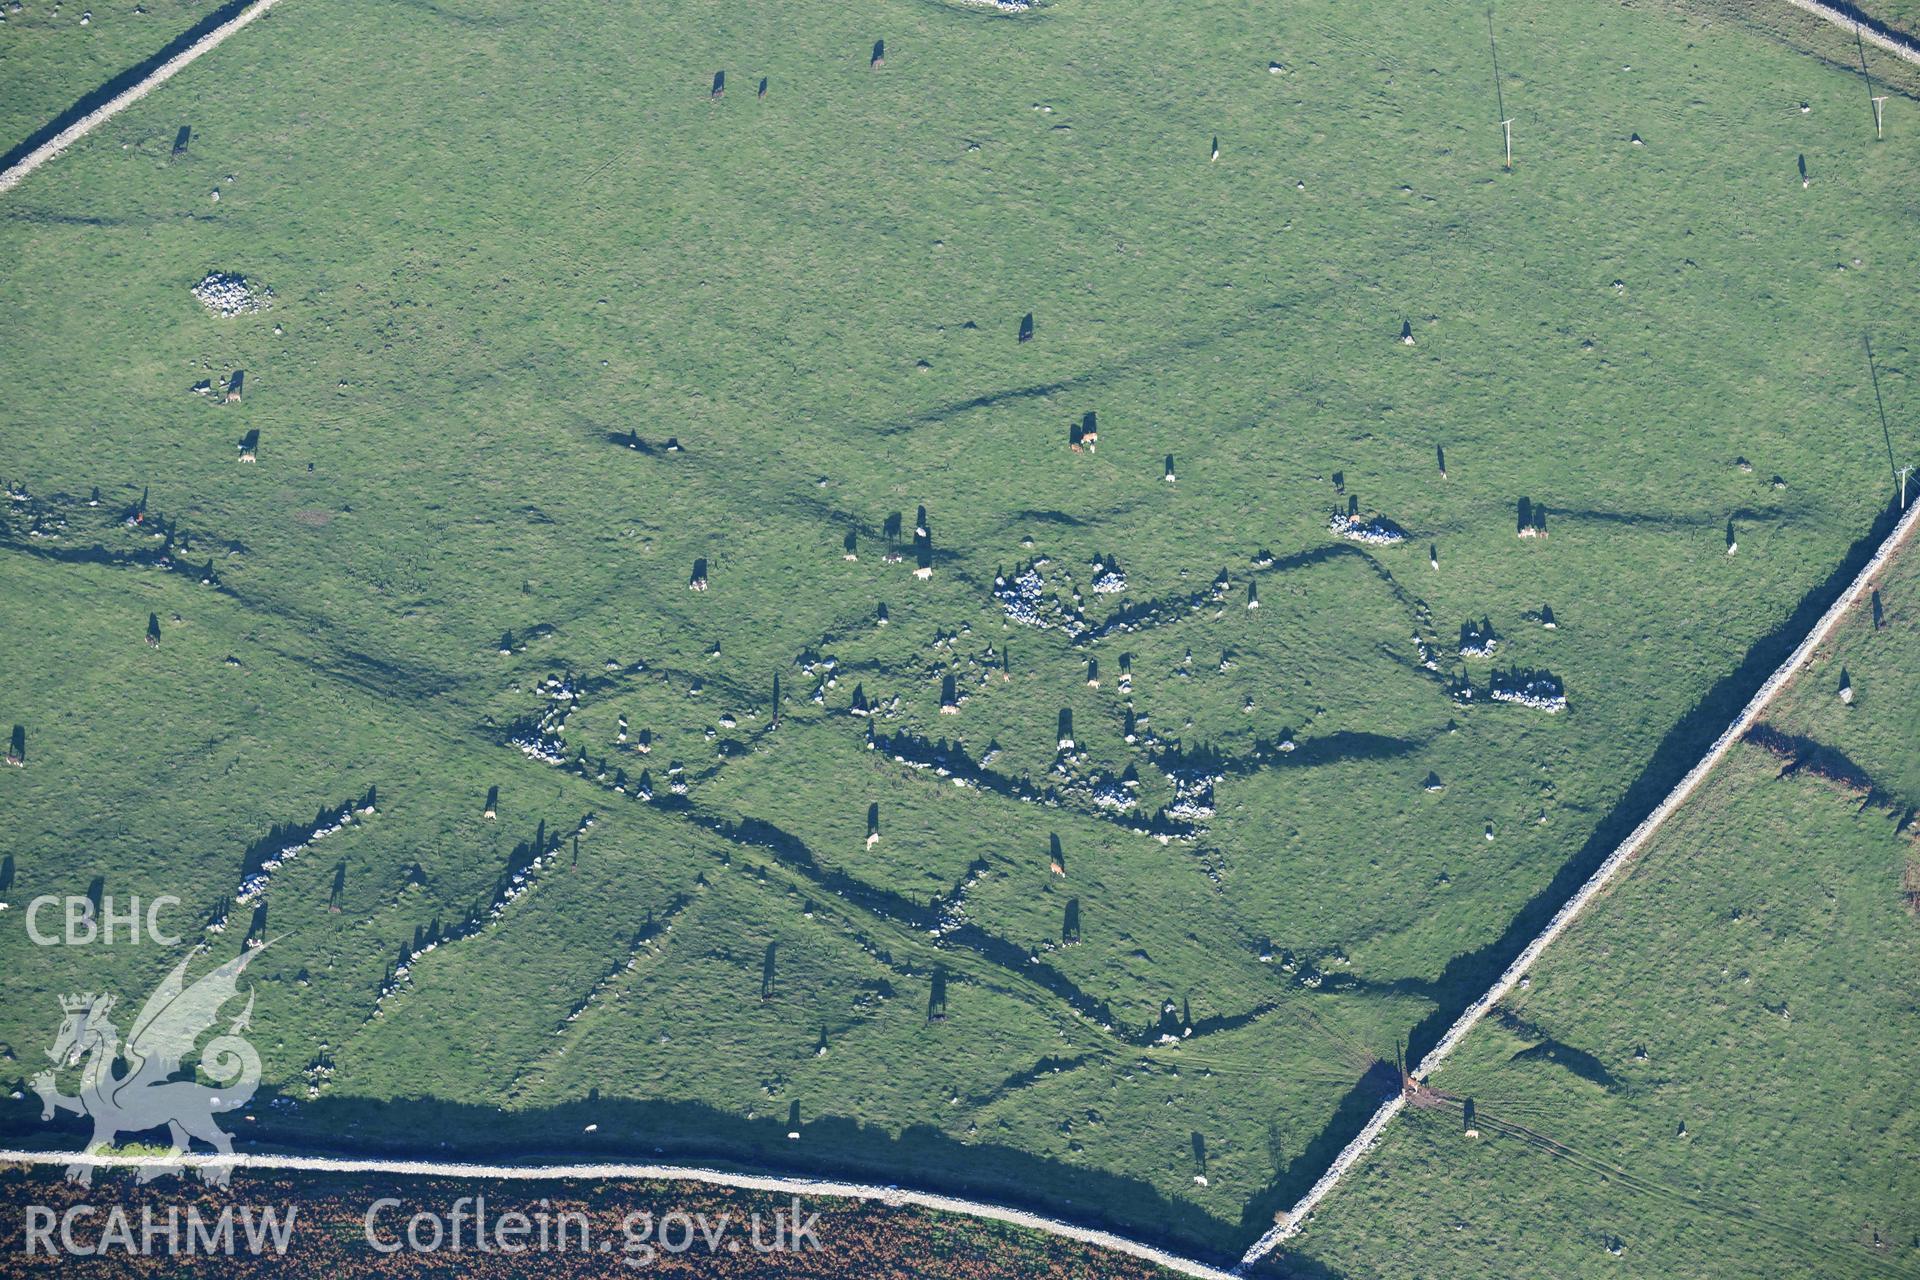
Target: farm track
point(1595, 885)
point(661, 1173)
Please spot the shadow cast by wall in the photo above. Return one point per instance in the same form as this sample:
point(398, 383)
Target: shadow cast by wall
point(630, 1131)
point(105, 92)
point(1469, 974)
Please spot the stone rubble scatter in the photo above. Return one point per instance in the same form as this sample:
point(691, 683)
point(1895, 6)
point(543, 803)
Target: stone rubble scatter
point(1541, 690)
point(1024, 599)
point(1375, 530)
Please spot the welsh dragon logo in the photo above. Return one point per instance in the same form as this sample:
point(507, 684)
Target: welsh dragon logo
point(145, 1095)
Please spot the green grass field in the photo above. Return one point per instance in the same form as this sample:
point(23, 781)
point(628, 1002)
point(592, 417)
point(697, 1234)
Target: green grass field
point(50, 58)
point(1708, 1073)
point(512, 252)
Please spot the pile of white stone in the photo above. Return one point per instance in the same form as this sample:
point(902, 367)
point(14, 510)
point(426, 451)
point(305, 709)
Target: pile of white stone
point(230, 295)
point(546, 748)
point(1477, 641)
point(1540, 690)
point(1192, 794)
point(1020, 597)
point(1428, 658)
point(1025, 599)
point(1378, 530)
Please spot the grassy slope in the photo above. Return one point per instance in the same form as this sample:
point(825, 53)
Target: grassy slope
point(473, 288)
point(1762, 955)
